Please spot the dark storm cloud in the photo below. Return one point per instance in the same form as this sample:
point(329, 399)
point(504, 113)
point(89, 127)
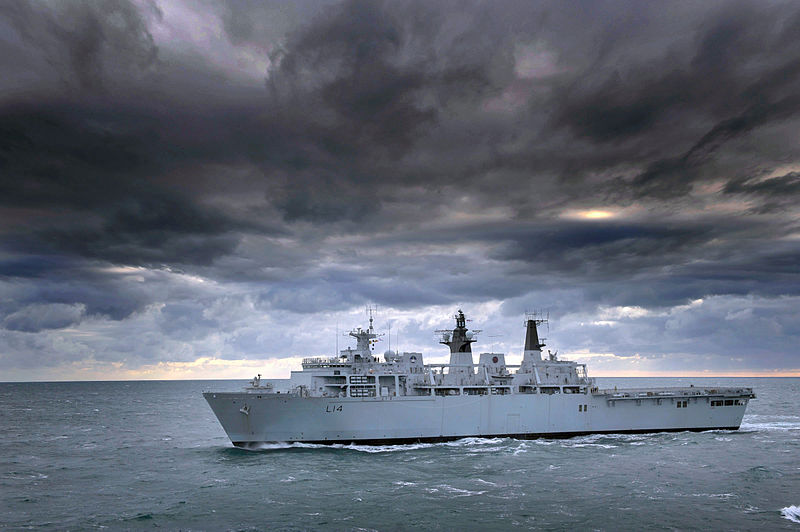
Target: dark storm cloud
point(740, 72)
point(84, 44)
point(406, 153)
point(777, 193)
point(356, 92)
point(101, 292)
point(37, 317)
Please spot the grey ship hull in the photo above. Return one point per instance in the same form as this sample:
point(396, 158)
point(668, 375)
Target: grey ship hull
point(251, 417)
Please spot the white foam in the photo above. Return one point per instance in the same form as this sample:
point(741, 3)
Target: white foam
point(473, 441)
point(792, 513)
point(352, 447)
point(383, 448)
point(458, 492)
point(588, 441)
point(774, 425)
point(479, 443)
point(270, 446)
point(724, 496)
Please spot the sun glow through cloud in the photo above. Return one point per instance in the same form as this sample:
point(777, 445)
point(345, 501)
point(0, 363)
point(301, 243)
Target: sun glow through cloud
point(595, 215)
point(590, 214)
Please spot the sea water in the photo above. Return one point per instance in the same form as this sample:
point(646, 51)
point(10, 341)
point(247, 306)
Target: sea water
point(151, 454)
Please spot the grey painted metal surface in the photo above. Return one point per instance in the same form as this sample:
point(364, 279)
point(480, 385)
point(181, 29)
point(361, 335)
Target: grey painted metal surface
point(357, 398)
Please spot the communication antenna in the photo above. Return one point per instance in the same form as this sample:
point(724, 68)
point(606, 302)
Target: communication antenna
point(541, 317)
point(371, 311)
point(337, 338)
point(389, 338)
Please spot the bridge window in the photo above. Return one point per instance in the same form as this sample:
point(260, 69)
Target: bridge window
point(728, 402)
point(683, 404)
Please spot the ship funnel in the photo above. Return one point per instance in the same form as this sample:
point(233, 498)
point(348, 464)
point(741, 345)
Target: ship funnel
point(532, 337)
point(533, 345)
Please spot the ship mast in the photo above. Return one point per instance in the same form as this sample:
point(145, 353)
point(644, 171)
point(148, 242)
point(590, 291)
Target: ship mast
point(459, 341)
point(365, 340)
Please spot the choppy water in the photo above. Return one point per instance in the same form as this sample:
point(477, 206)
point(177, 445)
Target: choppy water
point(142, 455)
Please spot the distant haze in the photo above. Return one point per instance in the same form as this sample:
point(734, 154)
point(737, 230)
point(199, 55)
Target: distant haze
point(214, 189)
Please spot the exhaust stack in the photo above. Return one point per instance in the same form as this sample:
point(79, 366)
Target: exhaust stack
point(533, 346)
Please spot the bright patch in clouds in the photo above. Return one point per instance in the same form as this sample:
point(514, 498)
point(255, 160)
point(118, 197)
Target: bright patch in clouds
point(595, 215)
point(592, 214)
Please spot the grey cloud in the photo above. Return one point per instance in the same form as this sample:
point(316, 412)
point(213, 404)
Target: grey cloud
point(88, 44)
point(37, 317)
point(720, 326)
point(183, 320)
point(776, 193)
point(404, 153)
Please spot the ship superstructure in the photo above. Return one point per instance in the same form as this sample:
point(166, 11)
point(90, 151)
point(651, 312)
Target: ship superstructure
point(356, 397)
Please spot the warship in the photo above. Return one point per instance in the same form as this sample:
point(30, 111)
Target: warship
point(358, 398)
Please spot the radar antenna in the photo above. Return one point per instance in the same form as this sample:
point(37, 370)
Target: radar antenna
point(458, 339)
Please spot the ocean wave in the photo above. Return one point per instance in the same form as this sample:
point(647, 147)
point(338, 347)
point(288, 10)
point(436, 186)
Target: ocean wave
point(723, 496)
point(277, 446)
point(384, 448)
point(761, 473)
point(749, 417)
point(457, 492)
point(792, 513)
point(474, 441)
point(600, 445)
point(592, 440)
point(769, 426)
point(24, 476)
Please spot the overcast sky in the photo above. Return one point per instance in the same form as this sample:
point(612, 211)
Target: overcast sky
point(205, 189)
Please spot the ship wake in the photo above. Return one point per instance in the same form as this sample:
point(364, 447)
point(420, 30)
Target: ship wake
point(792, 513)
point(463, 442)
